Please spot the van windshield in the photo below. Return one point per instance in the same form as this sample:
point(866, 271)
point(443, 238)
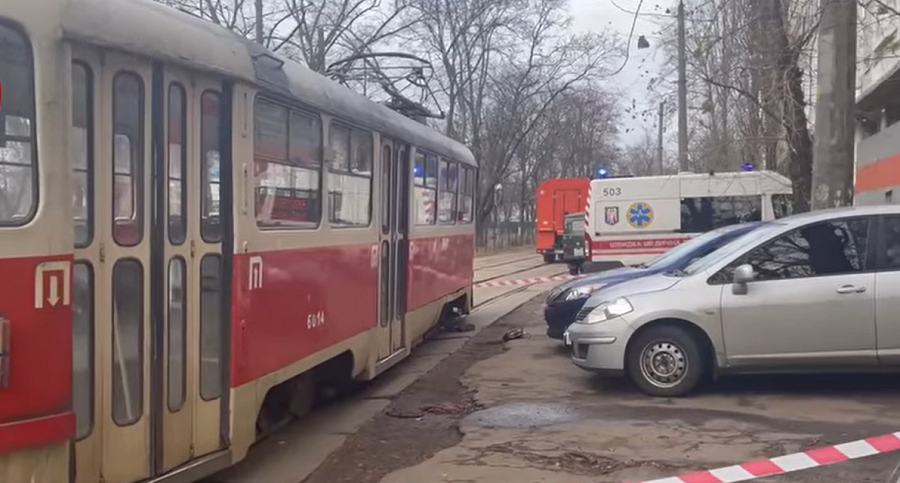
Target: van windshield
point(734, 246)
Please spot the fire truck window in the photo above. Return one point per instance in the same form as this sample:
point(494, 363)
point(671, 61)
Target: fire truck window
point(449, 183)
point(288, 180)
point(177, 153)
point(83, 349)
point(128, 158)
point(350, 177)
point(18, 183)
point(210, 219)
point(210, 327)
point(699, 215)
point(425, 187)
point(82, 154)
point(128, 342)
point(177, 334)
point(466, 195)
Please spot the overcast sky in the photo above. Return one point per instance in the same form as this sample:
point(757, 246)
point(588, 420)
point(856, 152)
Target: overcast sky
point(604, 15)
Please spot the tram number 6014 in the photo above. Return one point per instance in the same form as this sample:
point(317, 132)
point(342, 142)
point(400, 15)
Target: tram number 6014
point(316, 319)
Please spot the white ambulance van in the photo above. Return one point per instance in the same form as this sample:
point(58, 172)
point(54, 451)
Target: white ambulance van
point(635, 219)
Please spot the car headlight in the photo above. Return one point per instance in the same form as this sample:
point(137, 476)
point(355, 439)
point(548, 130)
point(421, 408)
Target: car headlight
point(609, 310)
point(583, 291)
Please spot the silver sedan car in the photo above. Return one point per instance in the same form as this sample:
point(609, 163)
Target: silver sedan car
point(817, 292)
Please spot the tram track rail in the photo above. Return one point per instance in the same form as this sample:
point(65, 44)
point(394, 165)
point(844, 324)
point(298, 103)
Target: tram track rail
point(513, 271)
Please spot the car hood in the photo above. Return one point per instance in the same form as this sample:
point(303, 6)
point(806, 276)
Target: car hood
point(606, 276)
point(651, 283)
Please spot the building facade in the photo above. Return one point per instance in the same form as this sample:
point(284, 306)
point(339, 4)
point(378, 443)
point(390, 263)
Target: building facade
point(878, 104)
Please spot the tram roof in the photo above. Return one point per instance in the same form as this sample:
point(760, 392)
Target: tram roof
point(150, 29)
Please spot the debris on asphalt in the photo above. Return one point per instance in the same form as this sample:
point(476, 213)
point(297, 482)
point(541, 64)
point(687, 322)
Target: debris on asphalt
point(457, 324)
point(514, 333)
point(405, 414)
point(448, 408)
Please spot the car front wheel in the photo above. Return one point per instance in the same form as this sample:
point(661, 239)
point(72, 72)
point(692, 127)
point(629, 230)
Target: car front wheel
point(665, 361)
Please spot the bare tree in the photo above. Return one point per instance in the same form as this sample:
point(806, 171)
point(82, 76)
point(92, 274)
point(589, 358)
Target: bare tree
point(315, 32)
point(748, 99)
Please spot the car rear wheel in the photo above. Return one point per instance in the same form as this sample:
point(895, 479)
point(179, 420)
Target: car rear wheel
point(665, 361)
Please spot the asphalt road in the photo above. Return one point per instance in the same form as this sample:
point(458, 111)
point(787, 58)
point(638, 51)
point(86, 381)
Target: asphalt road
point(469, 407)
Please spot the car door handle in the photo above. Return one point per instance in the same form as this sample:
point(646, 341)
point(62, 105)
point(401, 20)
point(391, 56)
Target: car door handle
point(850, 289)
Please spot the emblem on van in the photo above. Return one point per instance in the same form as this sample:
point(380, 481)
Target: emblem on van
point(640, 215)
point(612, 215)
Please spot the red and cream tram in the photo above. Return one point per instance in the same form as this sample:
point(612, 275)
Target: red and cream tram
point(192, 233)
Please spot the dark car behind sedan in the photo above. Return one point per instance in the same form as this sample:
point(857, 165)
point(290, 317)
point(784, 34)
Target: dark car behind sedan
point(565, 300)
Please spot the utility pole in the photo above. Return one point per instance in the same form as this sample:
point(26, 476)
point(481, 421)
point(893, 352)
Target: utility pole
point(682, 92)
point(259, 22)
point(833, 155)
point(659, 141)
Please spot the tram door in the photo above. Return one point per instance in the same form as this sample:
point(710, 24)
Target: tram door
point(394, 246)
point(149, 275)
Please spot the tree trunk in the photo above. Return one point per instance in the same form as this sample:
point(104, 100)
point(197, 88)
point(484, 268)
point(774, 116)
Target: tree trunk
point(793, 113)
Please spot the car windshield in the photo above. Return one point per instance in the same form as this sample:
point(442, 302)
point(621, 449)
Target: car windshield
point(690, 245)
point(732, 247)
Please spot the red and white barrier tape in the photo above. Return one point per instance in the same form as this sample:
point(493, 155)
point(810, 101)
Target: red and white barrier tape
point(791, 462)
point(526, 281)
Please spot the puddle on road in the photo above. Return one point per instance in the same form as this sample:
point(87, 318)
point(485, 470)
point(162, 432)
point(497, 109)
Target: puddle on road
point(524, 415)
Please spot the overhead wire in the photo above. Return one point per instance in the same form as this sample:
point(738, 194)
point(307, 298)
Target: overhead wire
point(630, 36)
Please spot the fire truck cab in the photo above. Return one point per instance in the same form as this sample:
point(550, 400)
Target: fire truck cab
point(556, 198)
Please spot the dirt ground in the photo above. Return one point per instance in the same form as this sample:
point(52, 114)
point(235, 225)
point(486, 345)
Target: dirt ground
point(518, 411)
point(420, 422)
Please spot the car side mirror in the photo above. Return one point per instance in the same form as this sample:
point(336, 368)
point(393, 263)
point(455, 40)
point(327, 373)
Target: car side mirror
point(742, 275)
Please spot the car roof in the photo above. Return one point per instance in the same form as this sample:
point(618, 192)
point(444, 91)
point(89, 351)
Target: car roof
point(831, 213)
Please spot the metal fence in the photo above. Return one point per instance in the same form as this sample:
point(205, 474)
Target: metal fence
point(505, 234)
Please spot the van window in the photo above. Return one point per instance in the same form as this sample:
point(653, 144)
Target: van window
point(782, 205)
point(702, 214)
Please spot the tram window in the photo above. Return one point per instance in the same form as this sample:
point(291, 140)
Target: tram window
point(350, 177)
point(210, 327)
point(466, 195)
point(425, 183)
point(288, 180)
point(449, 181)
point(177, 334)
point(18, 183)
point(210, 225)
point(386, 194)
point(83, 349)
point(384, 312)
point(128, 342)
point(82, 154)
point(128, 158)
point(177, 153)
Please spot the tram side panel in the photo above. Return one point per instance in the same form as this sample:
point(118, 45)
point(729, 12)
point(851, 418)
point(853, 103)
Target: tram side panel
point(442, 245)
point(36, 419)
point(293, 303)
point(305, 290)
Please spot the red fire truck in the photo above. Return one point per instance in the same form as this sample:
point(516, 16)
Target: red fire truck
point(555, 198)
